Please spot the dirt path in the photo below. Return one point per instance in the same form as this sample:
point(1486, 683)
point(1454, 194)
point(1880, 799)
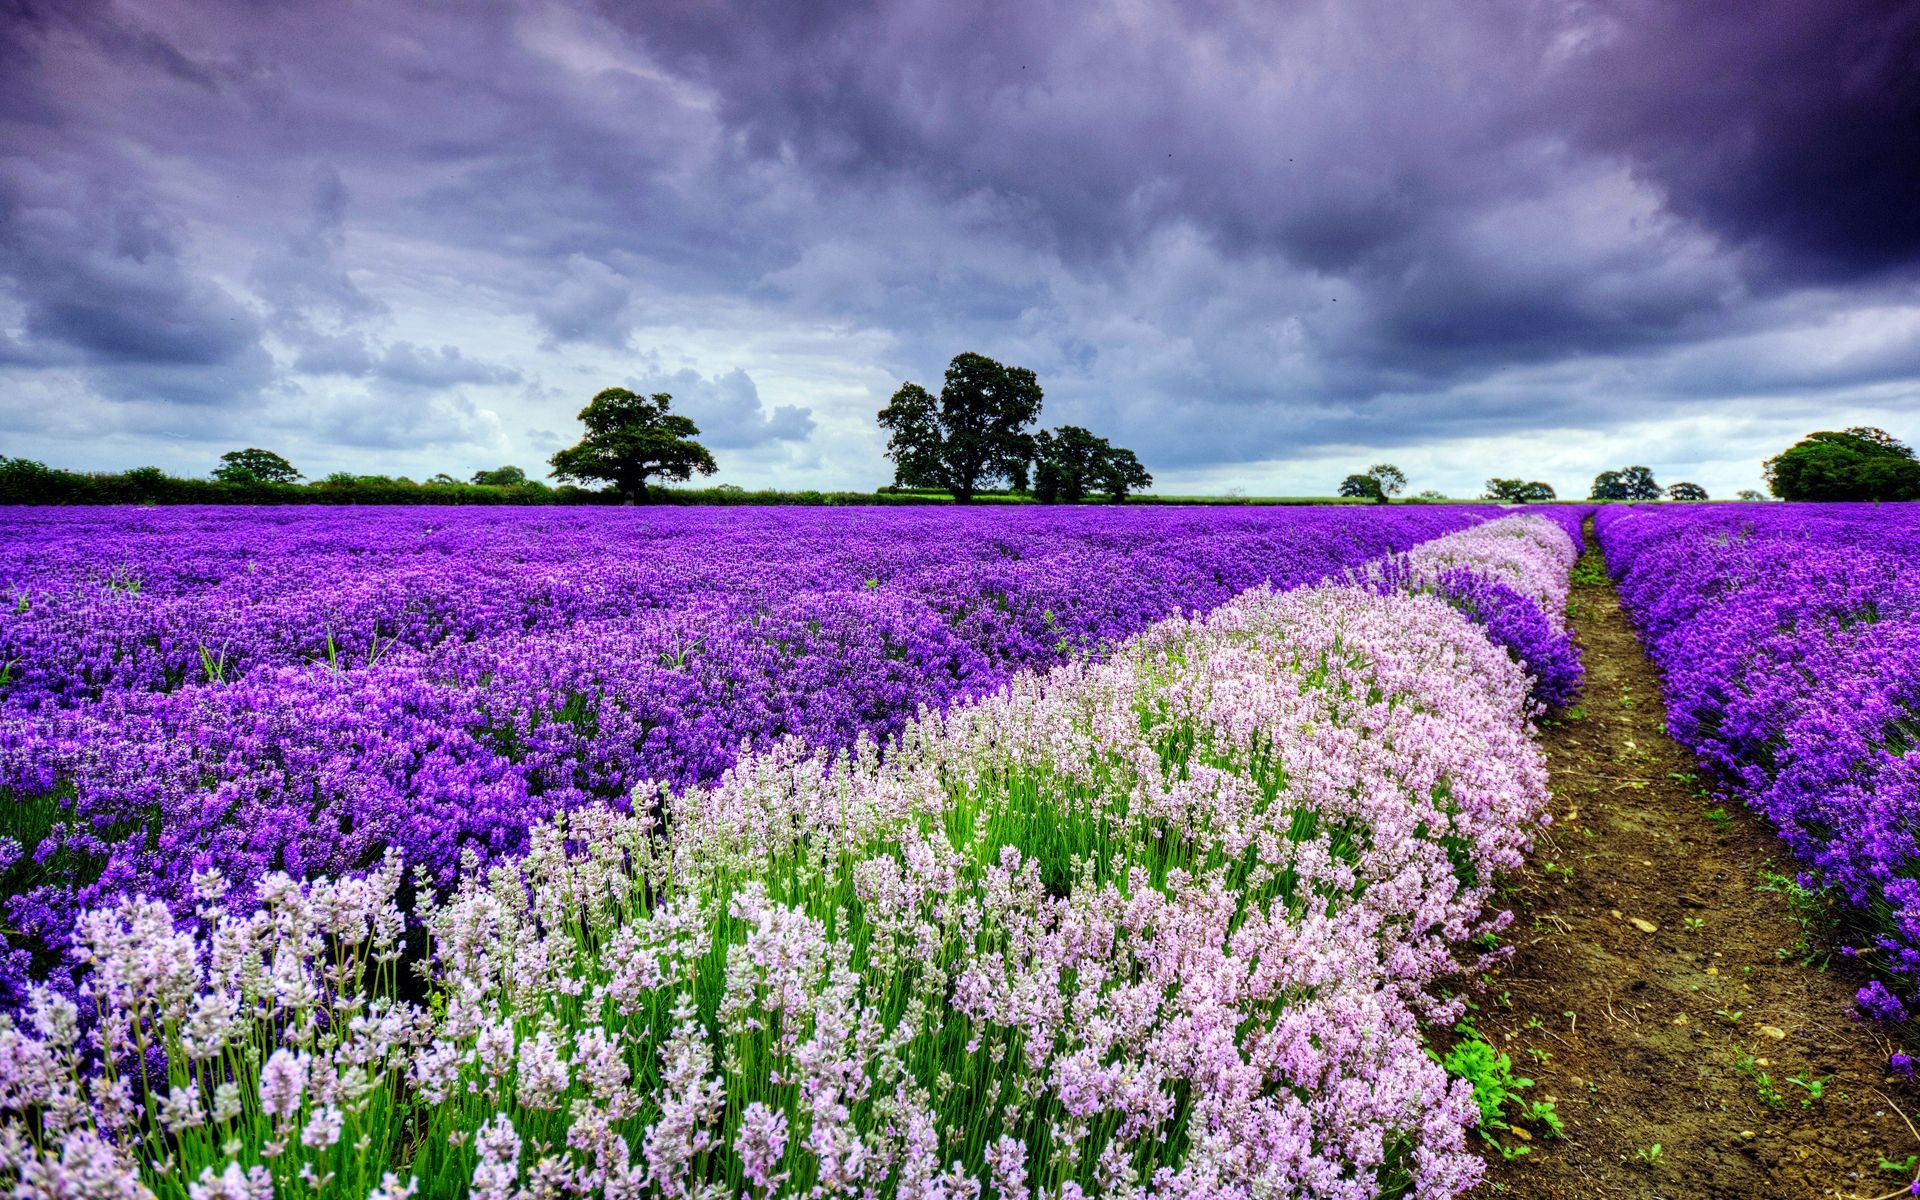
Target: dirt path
point(1657, 996)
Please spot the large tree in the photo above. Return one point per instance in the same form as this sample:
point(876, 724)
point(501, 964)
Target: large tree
point(973, 436)
point(1628, 483)
point(1070, 461)
point(254, 466)
point(1380, 481)
point(1392, 479)
point(1686, 491)
point(1123, 474)
point(1861, 463)
point(1363, 487)
point(631, 438)
point(1518, 491)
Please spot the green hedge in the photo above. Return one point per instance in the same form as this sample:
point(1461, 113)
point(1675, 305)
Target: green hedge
point(23, 481)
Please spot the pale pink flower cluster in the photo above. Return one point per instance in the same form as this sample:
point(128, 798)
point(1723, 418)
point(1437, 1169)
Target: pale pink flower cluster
point(1161, 925)
point(268, 1020)
point(1531, 555)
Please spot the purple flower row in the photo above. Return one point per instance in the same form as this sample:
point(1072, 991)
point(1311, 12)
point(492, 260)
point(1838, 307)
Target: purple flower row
point(1789, 638)
point(298, 691)
point(1510, 577)
point(1165, 923)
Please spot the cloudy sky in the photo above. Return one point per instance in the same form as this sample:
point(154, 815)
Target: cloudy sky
point(1263, 243)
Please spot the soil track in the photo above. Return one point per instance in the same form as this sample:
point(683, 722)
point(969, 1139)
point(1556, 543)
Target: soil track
point(1658, 996)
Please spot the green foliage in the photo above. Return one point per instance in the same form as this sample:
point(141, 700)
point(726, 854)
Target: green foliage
point(973, 436)
point(23, 481)
point(499, 477)
point(147, 483)
point(1070, 462)
point(1749, 494)
point(1590, 570)
point(1770, 1095)
point(34, 483)
point(1495, 1088)
point(1810, 908)
point(1814, 1087)
point(1518, 491)
point(1392, 479)
point(1363, 487)
point(631, 438)
point(1861, 463)
point(23, 478)
point(1380, 481)
point(254, 466)
point(1686, 491)
point(1628, 483)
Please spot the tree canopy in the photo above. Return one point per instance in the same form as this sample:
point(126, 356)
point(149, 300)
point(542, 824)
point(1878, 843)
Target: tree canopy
point(1392, 479)
point(1380, 481)
point(1628, 483)
point(1363, 487)
point(974, 435)
point(631, 438)
point(1122, 474)
point(254, 466)
point(1861, 463)
point(508, 476)
point(1070, 462)
point(1518, 491)
point(1686, 491)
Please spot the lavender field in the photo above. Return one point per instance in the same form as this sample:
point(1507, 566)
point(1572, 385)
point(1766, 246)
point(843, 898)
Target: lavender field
point(1789, 637)
point(300, 692)
point(630, 853)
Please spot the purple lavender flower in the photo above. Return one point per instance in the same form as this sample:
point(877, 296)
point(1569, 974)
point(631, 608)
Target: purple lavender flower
point(1789, 639)
point(1879, 1003)
point(258, 690)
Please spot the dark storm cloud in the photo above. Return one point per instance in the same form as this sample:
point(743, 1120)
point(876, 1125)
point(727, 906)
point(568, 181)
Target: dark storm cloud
point(1357, 141)
point(1225, 230)
point(102, 283)
point(1792, 126)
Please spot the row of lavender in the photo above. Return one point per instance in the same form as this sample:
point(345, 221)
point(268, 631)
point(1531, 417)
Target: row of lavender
point(1165, 923)
point(160, 600)
point(298, 691)
point(1789, 637)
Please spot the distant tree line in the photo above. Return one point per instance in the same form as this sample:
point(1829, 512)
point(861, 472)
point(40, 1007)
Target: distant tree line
point(970, 443)
point(26, 481)
point(975, 435)
point(1860, 463)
